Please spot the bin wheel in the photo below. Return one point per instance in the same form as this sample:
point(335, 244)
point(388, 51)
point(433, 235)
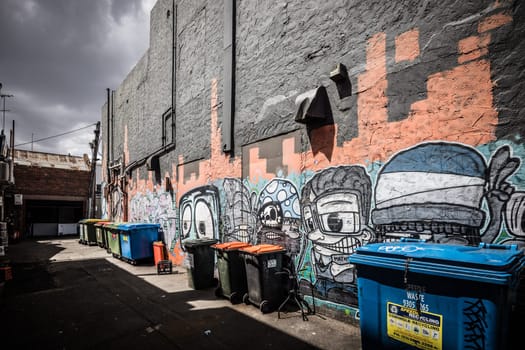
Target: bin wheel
point(265, 306)
point(246, 299)
point(235, 298)
point(218, 292)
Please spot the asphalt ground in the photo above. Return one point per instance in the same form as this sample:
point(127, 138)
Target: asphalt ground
point(65, 295)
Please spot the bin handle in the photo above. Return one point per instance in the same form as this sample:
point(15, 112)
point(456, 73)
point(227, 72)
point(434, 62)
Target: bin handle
point(252, 262)
point(413, 240)
point(498, 246)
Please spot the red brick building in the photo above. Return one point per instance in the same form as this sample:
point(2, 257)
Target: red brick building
point(50, 193)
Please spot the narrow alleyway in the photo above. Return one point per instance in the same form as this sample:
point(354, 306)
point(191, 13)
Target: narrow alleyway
point(69, 296)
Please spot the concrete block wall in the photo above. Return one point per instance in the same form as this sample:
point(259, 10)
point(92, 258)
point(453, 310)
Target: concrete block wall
point(429, 144)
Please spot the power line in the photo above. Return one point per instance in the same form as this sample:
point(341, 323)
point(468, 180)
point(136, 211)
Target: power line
point(52, 137)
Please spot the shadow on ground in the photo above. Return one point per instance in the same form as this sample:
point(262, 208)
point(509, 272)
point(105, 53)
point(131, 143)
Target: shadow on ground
point(95, 304)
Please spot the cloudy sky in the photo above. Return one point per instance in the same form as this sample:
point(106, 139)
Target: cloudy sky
point(57, 57)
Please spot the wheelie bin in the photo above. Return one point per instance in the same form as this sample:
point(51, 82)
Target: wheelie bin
point(90, 235)
point(113, 240)
point(232, 272)
point(82, 231)
point(136, 241)
point(267, 286)
point(436, 296)
point(200, 262)
point(101, 234)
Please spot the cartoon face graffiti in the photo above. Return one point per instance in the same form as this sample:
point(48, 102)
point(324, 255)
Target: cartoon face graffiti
point(199, 212)
point(435, 191)
point(335, 205)
point(278, 217)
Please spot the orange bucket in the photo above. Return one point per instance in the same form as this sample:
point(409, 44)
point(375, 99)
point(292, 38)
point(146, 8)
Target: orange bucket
point(159, 252)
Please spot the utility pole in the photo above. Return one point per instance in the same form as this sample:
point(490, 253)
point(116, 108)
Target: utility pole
point(93, 176)
point(3, 96)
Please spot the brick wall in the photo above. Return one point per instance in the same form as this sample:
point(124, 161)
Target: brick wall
point(33, 180)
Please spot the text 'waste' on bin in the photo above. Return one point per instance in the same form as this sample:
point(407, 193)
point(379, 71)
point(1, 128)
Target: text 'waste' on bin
point(200, 262)
point(436, 296)
point(232, 272)
point(267, 286)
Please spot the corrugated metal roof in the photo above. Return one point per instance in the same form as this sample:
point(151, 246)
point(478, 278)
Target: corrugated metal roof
point(51, 160)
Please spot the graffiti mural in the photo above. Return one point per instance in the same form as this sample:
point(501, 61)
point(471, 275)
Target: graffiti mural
point(475, 314)
point(238, 212)
point(104, 214)
point(502, 199)
point(335, 206)
point(270, 215)
point(199, 213)
point(116, 203)
point(155, 207)
point(437, 191)
point(278, 216)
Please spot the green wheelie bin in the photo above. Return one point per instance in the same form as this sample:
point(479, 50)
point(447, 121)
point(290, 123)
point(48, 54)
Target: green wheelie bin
point(101, 234)
point(232, 272)
point(113, 239)
point(90, 235)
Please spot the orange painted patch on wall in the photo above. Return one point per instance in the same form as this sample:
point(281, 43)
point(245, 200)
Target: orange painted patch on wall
point(291, 156)
point(407, 46)
point(473, 47)
point(494, 22)
point(258, 166)
point(459, 108)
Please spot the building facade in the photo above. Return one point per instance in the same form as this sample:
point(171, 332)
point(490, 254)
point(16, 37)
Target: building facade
point(50, 193)
point(322, 127)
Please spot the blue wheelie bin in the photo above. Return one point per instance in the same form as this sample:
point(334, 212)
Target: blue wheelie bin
point(415, 295)
point(136, 241)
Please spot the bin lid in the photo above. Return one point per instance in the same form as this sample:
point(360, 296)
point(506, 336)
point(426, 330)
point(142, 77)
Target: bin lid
point(231, 245)
point(92, 221)
point(263, 249)
point(102, 223)
point(492, 263)
point(112, 225)
point(193, 242)
point(158, 243)
point(132, 226)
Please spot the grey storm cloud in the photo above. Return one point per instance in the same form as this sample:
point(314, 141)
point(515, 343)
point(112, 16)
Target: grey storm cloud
point(57, 57)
